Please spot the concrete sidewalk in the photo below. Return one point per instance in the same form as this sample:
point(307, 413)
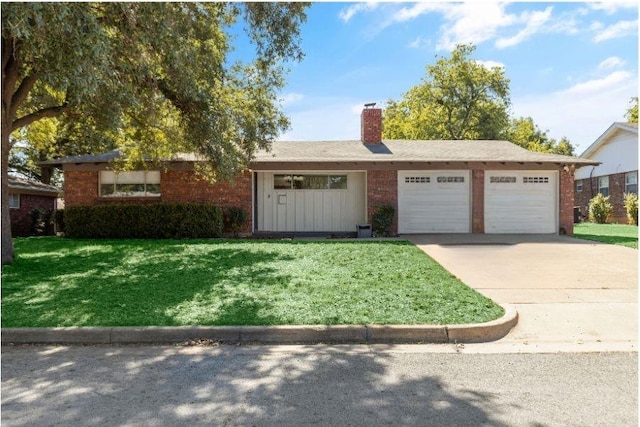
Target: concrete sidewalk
point(567, 291)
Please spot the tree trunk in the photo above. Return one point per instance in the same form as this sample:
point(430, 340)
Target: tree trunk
point(7, 241)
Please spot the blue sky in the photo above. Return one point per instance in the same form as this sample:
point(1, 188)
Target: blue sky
point(573, 66)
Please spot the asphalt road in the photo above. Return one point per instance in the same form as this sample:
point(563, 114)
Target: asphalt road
point(314, 385)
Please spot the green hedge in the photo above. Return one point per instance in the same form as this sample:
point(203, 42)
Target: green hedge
point(154, 221)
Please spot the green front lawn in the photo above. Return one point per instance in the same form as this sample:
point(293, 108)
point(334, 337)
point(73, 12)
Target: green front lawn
point(615, 234)
point(66, 282)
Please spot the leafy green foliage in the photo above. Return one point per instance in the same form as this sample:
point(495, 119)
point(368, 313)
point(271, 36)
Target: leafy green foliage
point(41, 222)
point(155, 221)
point(525, 133)
point(600, 209)
point(67, 282)
point(152, 79)
point(631, 206)
point(632, 113)
point(234, 219)
point(614, 234)
point(382, 220)
point(457, 99)
point(460, 98)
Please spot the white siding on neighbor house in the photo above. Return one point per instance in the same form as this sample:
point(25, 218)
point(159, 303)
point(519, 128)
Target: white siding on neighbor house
point(434, 201)
point(294, 210)
point(619, 154)
point(521, 202)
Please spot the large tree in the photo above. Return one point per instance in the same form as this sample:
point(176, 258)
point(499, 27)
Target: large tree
point(458, 98)
point(151, 79)
point(524, 132)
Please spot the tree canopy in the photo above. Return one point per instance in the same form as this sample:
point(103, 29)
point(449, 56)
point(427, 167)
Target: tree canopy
point(632, 113)
point(458, 98)
point(151, 79)
point(524, 132)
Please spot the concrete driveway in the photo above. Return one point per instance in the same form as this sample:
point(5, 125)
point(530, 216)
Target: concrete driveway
point(570, 294)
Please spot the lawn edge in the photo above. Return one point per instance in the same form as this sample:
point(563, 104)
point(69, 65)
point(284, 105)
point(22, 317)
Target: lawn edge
point(288, 334)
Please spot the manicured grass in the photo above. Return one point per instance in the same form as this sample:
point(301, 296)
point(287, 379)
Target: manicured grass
point(65, 282)
point(615, 234)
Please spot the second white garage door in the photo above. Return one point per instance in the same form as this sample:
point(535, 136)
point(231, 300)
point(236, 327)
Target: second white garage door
point(520, 202)
point(434, 201)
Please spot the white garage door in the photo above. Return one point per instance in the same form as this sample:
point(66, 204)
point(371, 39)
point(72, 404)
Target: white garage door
point(434, 201)
point(520, 202)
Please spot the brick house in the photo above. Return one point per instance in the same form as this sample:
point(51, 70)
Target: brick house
point(24, 197)
point(617, 152)
point(334, 186)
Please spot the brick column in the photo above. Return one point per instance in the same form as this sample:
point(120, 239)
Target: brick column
point(477, 201)
point(566, 202)
point(382, 189)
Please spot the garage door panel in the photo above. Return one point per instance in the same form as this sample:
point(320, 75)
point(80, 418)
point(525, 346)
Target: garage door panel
point(434, 201)
point(521, 201)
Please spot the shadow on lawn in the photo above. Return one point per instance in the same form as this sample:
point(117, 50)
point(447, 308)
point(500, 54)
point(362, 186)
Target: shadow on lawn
point(117, 283)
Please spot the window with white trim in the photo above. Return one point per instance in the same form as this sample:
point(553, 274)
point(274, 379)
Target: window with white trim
point(579, 186)
point(417, 180)
point(631, 182)
point(535, 180)
point(502, 179)
point(130, 184)
point(309, 182)
point(14, 201)
point(443, 179)
point(603, 185)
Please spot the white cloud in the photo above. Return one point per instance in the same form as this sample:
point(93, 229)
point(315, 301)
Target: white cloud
point(534, 22)
point(611, 62)
point(490, 64)
point(351, 11)
point(598, 85)
point(611, 7)
point(617, 30)
point(409, 13)
point(582, 111)
point(291, 98)
point(472, 23)
point(419, 42)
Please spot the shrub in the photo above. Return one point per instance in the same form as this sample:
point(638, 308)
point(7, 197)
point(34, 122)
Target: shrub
point(156, 221)
point(59, 220)
point(382, 220)
point(37, 223)
point(234, 219)
point(599, 209)
point(631, 206)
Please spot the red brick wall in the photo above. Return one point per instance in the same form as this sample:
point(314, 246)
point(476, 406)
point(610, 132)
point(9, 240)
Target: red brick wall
point(382, 189)
point(566, 202)
point(616, 196)
point(81, 188)
point(371, 125)
point(477, 201)
point(20, 220)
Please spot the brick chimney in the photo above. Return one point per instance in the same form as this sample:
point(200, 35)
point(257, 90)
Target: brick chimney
point(371, 125)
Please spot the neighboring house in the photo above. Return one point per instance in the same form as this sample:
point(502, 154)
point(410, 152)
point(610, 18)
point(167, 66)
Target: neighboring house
point(617, 152)
point(332, 187)
point(24, 197)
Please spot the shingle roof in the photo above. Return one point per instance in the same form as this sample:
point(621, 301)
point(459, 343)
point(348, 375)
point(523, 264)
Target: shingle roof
point(401, 150)
point(388, 151)
point(21, 184)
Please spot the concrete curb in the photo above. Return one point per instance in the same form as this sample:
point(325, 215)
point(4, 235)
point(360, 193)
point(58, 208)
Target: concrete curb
point(314, 334)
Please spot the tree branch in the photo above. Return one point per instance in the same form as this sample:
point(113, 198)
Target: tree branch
point(40, 114)
point(21, 93)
